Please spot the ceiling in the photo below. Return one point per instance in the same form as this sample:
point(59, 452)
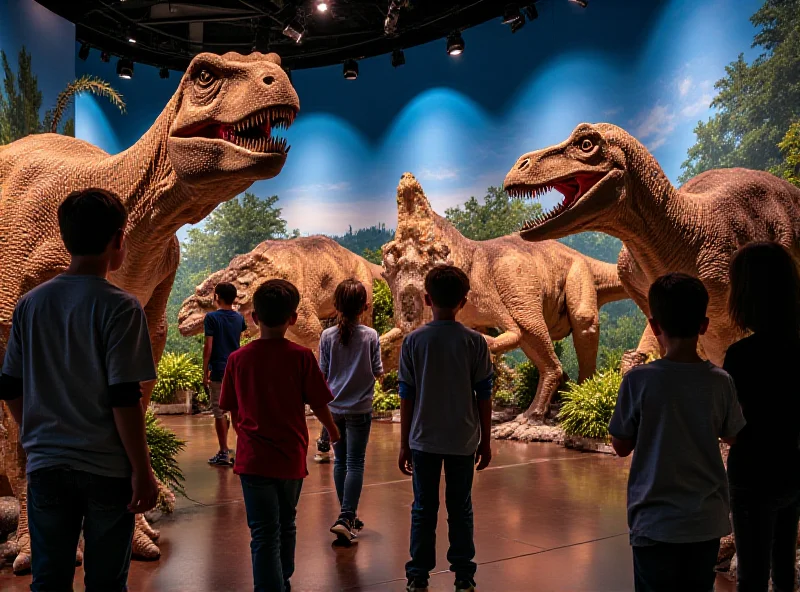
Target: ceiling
point(169, 34)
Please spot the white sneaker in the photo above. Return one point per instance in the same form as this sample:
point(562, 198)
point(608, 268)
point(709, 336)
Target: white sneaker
point(322, 457)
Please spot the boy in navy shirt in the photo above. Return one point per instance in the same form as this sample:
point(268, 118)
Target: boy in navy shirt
point(223, 330)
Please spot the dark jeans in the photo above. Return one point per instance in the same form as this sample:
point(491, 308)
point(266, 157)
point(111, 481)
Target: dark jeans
point(61, 501)
point(458, 472)
point(765, 529)
point(271, 508)
point(348, 465)
point(667, 567)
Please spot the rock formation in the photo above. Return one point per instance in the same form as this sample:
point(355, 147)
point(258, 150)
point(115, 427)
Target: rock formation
point(612, 184)
point(315, 264)
point(531, 293)
point(211, 142)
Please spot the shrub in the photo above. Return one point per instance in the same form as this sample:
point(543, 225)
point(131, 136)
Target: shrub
point(164, 448)
point(586, 408)
point(176, 372)
point(525, 384)
point(384, 401)
point(390, 382)
point(382, 307)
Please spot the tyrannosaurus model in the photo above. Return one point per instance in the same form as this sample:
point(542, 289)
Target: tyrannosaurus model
point(211, 142)
point(315, 264)
point(611, 183)
point(532, 293)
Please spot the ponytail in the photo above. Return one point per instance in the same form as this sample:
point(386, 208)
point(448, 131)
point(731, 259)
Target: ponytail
point(350, 298)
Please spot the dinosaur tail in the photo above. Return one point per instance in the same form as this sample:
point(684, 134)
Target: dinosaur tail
point(606, 282)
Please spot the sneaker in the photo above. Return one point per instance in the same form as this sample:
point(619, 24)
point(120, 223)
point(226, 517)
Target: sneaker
point(322, 457)
point(231, 457)
point(221, 459)
point(416, 584)
point(343, 529)
point(465, 586)
point(358, 525)
point(323, 445)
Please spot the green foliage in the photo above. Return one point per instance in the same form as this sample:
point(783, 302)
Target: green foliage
point(20, 99)
point(382, 307)
point(595, 244)
point(789, 169)
point(372, 239)
point(373, 255)
point(85, 84)
point(498, 215)
point(756, 102)
point(586, 408)
point(164, 448)
point(176, 372)
point(525, 384)
point(384, 401)
point(390, 382)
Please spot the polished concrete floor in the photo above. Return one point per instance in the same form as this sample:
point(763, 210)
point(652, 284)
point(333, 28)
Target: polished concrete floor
point(546, 519)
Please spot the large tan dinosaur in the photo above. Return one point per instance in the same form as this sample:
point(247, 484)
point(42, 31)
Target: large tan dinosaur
point(211, 142)
point(532, 293)
point(611, 183)
point(315, 264)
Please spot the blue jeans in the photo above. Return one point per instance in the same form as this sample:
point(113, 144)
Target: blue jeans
point(271, 508)
point(458, 473)
point(348, 465)
point(61, 501)
point(667, 567)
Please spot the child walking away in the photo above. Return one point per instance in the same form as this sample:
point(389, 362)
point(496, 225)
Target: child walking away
point(350, 358)
point(323, 454)
point(764, 463)
point(446, 411)
point(671, 414)
point(223, 330)
point(266, 386)
point(78, 350)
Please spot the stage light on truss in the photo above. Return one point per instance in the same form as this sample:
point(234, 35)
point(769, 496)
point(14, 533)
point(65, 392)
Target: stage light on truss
point(455, 44)
point(350, 70)
point(105, 57)
point(581, 3)
point(392, 16)
point(125, 68)
point(163, 73)
point(398, 58)
point(322, 7)
point(83, 52)
point(294, 30)
point(531, 12)
point(511, 14)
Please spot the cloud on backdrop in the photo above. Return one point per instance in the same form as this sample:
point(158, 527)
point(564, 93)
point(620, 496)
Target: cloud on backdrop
point(460, 123)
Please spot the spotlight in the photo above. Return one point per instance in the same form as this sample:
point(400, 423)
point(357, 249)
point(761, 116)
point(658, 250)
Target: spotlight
point(581, 3)
point(517, 25)
point(294, 30)
point(531, 12)
point(163, 73)
point(322, 7)
point(350, 70)
point(83, 53)
point(511, 14)
point(398, 58)
point(105, 57)
point(455, 44)
point(125, 68)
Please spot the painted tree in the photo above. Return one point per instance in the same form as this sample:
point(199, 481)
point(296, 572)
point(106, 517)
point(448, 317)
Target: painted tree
point(789, 169)
point(498, 215)
point(20, 99)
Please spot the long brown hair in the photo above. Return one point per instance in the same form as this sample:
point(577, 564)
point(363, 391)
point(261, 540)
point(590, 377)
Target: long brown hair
point(765, 289)
point(350, 298)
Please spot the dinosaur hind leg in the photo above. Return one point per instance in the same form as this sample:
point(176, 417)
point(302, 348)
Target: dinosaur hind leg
point(538, 347)
point(584, 319)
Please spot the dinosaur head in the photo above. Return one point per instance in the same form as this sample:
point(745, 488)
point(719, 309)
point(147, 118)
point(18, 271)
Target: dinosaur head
point(588, 169)
point(228, 110)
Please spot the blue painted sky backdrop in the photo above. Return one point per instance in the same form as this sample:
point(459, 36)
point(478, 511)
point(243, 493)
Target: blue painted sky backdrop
point(460, 123)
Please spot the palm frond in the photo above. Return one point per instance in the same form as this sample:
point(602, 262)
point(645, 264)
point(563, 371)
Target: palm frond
point(85, 84)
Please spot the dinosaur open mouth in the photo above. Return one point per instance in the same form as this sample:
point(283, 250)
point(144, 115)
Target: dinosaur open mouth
point(572, 188)
point(253, 133)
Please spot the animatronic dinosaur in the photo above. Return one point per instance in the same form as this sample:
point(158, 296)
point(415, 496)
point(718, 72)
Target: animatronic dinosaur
point(611, 183)
point(533, 294)
point(211, 142)
point(315, 264)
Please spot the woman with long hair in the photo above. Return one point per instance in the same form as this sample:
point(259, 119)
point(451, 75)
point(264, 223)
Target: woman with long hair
point(764, 462)
point(350, 358)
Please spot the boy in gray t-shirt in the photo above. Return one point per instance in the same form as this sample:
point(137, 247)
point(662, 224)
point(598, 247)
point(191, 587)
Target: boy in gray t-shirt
point(446, 410)
point(672, 414)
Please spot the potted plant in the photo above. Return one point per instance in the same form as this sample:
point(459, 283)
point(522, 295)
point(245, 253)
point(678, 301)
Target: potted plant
point(178, 378)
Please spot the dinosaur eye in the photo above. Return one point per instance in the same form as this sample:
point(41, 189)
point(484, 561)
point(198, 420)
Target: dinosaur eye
point(204, 78)
point(587, 145)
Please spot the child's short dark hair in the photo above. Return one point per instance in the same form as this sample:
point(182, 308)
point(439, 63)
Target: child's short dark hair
point(226, 292)
point(447, 286)
point(89, 219)
point(275, 302)
point(678, 302)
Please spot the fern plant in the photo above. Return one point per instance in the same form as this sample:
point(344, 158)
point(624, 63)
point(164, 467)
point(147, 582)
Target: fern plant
point(176, 372)
point(164, 448)
point(84, 84)
point(384, 401)
point(586, 408)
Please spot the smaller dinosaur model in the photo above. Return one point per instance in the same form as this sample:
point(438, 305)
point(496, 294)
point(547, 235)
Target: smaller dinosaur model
point(612, 184)
point(315, 264)
point(532, 294)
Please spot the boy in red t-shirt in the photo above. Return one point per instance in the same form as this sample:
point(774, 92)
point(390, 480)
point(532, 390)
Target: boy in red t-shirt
point(266, 386)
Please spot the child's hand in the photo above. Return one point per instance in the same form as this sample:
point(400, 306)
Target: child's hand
point(404, 462)
point(145, 493)
point(335, 436)
point(484, 455)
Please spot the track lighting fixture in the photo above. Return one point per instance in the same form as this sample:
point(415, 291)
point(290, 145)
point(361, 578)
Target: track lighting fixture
point(531, 12)
point(163, 73)
point(455, 44)
point(294, 30)
point(350, 70)
point(511, 14)
point(322, 7)
point(581, 3)
point(83, 52)
point(398, 58)
point(392, 16)
point(125, 68)
point(105, 57)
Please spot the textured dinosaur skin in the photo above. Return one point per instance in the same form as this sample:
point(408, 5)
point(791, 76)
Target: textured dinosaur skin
point(315, 264)
point(208, 145)
point(612, 184)
point(532, 293)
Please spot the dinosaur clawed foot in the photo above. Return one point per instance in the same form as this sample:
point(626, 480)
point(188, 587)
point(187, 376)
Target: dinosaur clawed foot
point(143, 546)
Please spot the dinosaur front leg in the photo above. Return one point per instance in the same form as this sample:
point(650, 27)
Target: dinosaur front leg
point(583, 314)
point(504, 342)
point(637, 285)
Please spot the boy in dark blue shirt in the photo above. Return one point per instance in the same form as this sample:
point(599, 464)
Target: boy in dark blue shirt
point(223, 330)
